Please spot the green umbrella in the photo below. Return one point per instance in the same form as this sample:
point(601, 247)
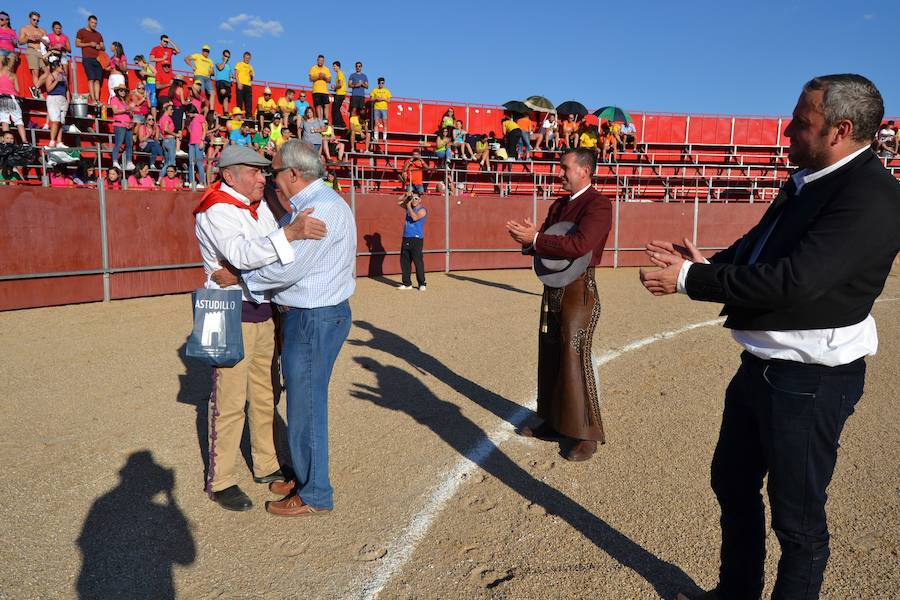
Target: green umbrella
point(540, 104)
point(612, 113)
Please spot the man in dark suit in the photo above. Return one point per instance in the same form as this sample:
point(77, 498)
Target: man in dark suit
point(568, 401)
point(798, 289)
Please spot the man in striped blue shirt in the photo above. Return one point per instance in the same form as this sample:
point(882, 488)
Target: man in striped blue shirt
point(312, 295)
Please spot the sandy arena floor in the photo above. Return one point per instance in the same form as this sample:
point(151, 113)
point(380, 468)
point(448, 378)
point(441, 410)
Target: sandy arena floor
point(435, 496)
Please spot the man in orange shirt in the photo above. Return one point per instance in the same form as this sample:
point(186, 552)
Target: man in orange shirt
point(413, 174)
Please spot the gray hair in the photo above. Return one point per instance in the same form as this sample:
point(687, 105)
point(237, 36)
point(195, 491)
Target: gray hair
point(853, 98)
point(304, 158)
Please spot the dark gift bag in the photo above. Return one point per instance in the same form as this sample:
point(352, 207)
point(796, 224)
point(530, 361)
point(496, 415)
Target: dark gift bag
point(216, 338)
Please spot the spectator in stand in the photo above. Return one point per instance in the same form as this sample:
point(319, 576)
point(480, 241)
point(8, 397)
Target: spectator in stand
point(60, 45)
point(169, 135)
point(462, 148)
point(549, 131)
point(266, 107)
point(32, 36)
point(54, 80)
point(339, 87)
point(628, 135)
point(91, 43)
point(359, 128)
point(262, 142)
point(140, 102)
point(331, 181)
point(203, 69)
point(114, 178)
point(413, 174)
point(9, 39)
point(320, 76)
point(588, 137)
point(162, 54)
point(885, 141)
point(122, 125)
point(140, 179)
point(243, 76)
point(443, 144)
point(380, 97)
point(241, 136)
point(164, 79)
point(301, 104)
point(570, 132)
point(448, 120)
point(287, 134)
point(358, 83)
point(59, 176)
point(275, 130)
point(197, 132)
point(8, 175)
point(171, 181)
point(512, 136)
point(10, 110)
point(331, 143)
point(413, 241)
point(216, 146)
point(148, 138)
point(609, 136)
point(287, 106)
point(224, 79)
point(312, 130)
point(87, 173)
point(118, 68)
point(236, 120)
point(181, 98)
point(530, 139)
point(199, 98)
point(147, 76)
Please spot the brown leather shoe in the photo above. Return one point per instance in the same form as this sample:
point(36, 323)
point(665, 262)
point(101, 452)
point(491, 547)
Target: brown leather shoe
point(582, 450)
point(282, 488)
point(293, 506)
point(541, 432)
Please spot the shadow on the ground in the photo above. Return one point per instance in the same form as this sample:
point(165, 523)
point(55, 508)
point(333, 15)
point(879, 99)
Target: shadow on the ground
point(401, 391)
point(133, 536)
point(494, 284)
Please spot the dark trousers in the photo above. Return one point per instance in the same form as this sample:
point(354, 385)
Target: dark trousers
point(411, 251)
point(337, 119)
point(783, 418)
point(245, 100)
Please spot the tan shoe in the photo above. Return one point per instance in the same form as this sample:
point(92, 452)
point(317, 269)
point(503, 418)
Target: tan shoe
point(282, 488)
point(293, 506)
point(582, 450)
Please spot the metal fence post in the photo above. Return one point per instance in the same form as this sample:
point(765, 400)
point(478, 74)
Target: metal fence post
point(104, 237)
point(420, 117)
point(696, 219)
point(616, 234)
point(446, 216)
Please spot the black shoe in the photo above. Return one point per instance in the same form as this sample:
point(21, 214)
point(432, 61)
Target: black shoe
point(233, 498)
point(276, 476)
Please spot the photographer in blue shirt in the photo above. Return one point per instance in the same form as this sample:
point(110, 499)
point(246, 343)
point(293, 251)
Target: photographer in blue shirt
point(413, 240)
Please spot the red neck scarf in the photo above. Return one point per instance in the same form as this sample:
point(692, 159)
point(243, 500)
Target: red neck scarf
point(215, 195)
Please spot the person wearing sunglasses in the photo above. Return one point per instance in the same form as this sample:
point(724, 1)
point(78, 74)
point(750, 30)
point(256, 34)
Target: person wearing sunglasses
point(31, 35)
point(9, 39)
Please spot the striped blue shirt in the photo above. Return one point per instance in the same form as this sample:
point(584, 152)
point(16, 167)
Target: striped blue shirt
point(322, 271)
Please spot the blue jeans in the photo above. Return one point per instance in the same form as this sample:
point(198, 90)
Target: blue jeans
point(153, 148)
point(782, 418)
point(122, 134)
point(195, 159)
point(170, 145)
point(312, 339)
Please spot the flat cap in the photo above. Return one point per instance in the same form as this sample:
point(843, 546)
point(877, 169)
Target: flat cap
point(241, 155)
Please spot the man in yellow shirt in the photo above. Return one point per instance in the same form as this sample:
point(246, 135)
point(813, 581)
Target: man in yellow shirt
point(243, 75)
point(380, 96)
point(339, 87)
point(202, 65)
point(237, 119)
point(266, 108)
point(287, 106)
point(320, 76)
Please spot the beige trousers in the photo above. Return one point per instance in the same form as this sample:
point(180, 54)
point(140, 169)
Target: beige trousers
point(249, 380)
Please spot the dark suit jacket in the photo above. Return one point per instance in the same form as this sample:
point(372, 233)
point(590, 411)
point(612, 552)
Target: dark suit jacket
point(592, 213)
point(825, 261)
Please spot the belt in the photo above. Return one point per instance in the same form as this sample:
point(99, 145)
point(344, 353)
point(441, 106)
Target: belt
point(283, 309)
point(852, 367)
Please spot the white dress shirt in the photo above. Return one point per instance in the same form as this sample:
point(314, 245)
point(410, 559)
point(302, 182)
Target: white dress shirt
point(830, 347)
point(230, 233)
point(322, 272)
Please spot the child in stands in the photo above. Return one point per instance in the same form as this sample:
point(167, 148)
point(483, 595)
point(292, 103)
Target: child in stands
point(114, 179)
point(171, 181)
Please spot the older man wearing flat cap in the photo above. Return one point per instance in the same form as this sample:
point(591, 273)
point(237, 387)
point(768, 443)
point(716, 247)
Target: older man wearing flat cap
point(234, 226)
point(568, 246)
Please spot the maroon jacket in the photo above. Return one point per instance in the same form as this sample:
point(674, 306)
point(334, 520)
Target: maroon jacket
point(592, 213)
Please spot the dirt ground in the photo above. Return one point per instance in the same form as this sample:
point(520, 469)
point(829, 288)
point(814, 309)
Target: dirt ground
point(102, 440)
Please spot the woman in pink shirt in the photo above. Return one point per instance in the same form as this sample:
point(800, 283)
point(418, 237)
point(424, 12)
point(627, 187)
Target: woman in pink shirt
point(59, 177)
point(141, 179)
point(197, 130)
point(171, 181)
point(118, 68)
point(113, 179)
point(122, 123)
point(140, 102)
point(168, 134)
point(10, 111)
point(9, 39)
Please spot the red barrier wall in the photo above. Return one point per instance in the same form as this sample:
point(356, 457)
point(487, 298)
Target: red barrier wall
point(44, 230)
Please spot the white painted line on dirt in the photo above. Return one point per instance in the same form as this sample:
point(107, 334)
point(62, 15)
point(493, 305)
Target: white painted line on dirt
point(401, 550)
point(403, 547)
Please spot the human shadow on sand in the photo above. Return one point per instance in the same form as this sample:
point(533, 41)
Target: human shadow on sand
point(133, 536)
point(401, 391)
point(493, 284)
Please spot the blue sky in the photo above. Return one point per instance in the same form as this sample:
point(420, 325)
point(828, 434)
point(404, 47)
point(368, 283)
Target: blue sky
point(727, 57)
